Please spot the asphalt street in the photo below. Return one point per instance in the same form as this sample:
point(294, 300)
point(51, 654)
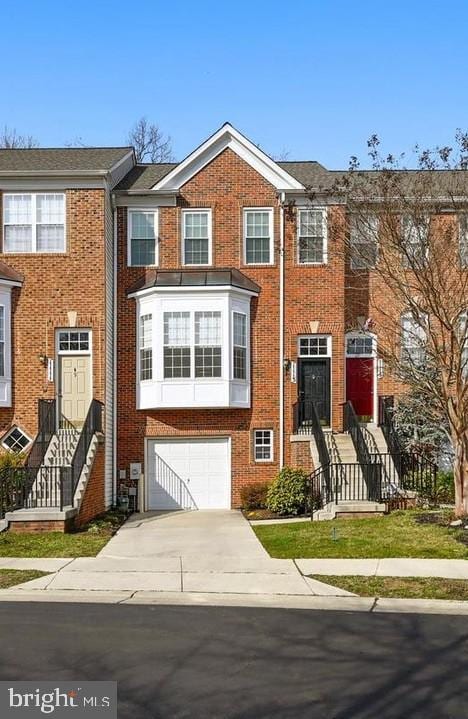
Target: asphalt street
point(206, 662)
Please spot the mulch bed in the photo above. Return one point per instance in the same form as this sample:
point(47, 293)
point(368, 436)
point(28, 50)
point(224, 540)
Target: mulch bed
point(267, 514)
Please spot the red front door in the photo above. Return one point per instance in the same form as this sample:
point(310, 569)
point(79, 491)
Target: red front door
point(360, 385)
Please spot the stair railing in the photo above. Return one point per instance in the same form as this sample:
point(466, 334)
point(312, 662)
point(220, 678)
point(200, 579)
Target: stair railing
point(47, 417)
point(92, 425)
point(371, 466)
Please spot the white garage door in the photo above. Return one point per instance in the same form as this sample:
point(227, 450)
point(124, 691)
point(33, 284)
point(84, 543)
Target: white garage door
point(189, 474)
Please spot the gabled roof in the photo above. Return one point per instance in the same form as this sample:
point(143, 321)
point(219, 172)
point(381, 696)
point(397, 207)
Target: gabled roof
point(65, 160)
point(227, 137)
point(143, 177)
point(195, 278)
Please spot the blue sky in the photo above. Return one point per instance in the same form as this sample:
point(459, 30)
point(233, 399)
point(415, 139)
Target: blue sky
point(314, 79)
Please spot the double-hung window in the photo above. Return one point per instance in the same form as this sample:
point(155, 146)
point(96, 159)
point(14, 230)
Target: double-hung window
point(177, 344)
point(364, 234)
point(312, 236)
point(258, 236)
point(239, 345)
point(413, 339)
point(33, 223)
point(196, 237)
point(142, 238)
point(208, 339)
point(415, 238)
point(463, 240)
point(146, 347)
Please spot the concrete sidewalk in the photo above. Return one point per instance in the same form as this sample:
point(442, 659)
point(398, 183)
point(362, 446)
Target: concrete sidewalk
point(443, 568)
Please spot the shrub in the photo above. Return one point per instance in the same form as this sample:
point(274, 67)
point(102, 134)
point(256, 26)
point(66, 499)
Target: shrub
point(10, 460)
point(445, 488)
point(289, 492)
point(253, 495)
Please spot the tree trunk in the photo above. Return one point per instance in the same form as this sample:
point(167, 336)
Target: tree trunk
point(460, 474)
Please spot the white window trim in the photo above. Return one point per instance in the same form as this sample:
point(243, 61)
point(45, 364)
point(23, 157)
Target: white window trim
point(130, 212)
point(316, 336)
point(7, 434)
point(404, 219)
point(34, 223)
point(74, 352)
point(271, 458)
point(245, 210)
point(324, 211)
point(193, 211)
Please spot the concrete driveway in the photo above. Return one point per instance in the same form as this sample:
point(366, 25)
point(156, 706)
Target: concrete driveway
point(210, 534)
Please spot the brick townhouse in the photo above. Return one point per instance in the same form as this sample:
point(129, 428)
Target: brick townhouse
point(203, 303)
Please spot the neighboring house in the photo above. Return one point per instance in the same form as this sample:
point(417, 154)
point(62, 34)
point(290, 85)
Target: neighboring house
point(56, 317)
point(203, 302)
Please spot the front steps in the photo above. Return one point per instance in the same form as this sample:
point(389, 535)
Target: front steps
point(349, 510)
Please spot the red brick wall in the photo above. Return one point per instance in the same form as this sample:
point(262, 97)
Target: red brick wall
point(227, 185)
point(55, 284)
point(93, 502)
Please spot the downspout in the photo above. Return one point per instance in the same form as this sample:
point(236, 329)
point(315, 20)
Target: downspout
point(114, 358)
point(281, 333)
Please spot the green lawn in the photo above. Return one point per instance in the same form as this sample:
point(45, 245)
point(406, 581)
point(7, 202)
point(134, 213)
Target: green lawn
point(395, 535)
point(401, 587)
point(10, 577)
point(85, 543)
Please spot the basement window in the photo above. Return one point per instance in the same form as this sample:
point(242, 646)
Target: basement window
point(16, 440)
point(263, 445)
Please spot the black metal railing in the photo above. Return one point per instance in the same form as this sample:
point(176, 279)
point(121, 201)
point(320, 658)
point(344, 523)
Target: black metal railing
point(32, 487)
point(386, 404)
point(47, 419)
point(92, 425)
point(302, 416)
point(346, 482)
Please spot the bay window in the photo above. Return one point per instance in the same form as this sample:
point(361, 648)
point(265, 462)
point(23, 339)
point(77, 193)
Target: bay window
point(33, 222)
point(142, 238)
point(258, 236)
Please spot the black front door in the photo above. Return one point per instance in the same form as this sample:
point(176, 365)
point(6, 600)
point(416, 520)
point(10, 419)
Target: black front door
point(314, 388)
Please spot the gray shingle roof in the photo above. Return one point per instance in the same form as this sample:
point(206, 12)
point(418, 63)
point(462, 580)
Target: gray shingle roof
point(61, 159)
point(144, 177)
point(195, 278)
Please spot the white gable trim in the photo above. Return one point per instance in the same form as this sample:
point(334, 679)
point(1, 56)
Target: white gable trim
point(228, 136)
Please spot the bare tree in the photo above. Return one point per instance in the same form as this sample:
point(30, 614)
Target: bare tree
point(10, 138)
point(406, 252)
point(150, 144)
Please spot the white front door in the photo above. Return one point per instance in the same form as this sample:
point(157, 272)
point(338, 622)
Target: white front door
point(75, 387)
point(189, 474)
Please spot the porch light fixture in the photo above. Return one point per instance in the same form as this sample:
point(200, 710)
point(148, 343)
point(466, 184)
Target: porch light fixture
point(43, 359)
point(287, 365)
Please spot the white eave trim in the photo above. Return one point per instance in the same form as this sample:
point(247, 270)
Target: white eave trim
point(228, 137)
point(188, 289)
point(10, 283)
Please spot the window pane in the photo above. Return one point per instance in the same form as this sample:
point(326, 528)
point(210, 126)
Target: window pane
point(413, 343)
point(17, 238)
point(207, 361)
point(50, 209)
point(313, 346)
point(463, 229)
point(17, 209)
point(16, 440)
point(177, 328)
point(143, 252)
point(50, 238)
point(240, 322)
point(196, 252)
point(311, 236)
point(258, 250)
point(240, 363)
point(142, 226)
point(196, 225)
point(208, 328)
point(311, 249)
point(176, 362)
